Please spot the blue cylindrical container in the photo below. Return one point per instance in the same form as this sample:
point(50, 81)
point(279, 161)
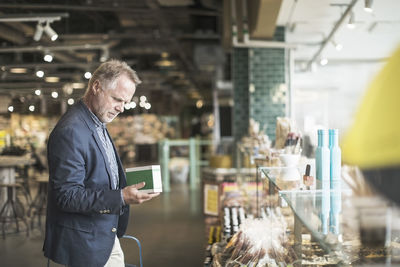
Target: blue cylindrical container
point(322, 160)
point(336, 158)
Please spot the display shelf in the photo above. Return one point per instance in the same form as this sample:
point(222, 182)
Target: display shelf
point(351, 230)
point(282, 178)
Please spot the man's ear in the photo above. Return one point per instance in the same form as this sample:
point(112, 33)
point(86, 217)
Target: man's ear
point(96, 87)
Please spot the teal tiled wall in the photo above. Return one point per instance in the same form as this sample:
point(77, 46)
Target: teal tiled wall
point(263, 70)
point(240, 75)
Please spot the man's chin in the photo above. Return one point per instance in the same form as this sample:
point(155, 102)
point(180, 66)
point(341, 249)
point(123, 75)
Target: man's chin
point(109, 119)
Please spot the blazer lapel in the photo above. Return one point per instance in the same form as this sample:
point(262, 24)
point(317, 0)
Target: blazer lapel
point(103, 154)
point(90, 124)
point(121, 172)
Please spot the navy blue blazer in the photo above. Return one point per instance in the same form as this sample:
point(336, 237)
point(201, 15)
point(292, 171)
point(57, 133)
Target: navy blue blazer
point(83, 213)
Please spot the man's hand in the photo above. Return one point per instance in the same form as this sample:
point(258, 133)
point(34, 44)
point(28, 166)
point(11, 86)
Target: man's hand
point(132, 195)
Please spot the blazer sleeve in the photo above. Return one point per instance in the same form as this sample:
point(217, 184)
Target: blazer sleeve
point(66, 156)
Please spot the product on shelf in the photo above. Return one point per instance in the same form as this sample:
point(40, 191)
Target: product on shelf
point(259, 242)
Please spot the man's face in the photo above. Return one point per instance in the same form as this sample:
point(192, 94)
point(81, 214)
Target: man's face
point(109, 102)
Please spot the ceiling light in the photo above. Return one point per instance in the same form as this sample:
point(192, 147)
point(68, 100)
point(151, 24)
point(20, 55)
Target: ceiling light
point(368, 6)
point(130, 105)
point(18, 70)
point(88, 75)
point(50, 32)
point(54, 94)
point(351, 24)
point(143, 98)
point(52, 79)
point(70, 101)
point(78, 85)
point(31, 108)
point(338, 46)
point(142, 104)
point(199, 104)
point(40, 73)
point(147, 106)
point(11, 108)
point(48, 57)
point(323, 61)
point(38, 92)
point(39, 32)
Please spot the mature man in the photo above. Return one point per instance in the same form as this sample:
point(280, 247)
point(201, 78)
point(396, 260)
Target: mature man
point(88, 200)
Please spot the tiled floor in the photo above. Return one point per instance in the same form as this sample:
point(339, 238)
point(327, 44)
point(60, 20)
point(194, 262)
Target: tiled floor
point(170, 228)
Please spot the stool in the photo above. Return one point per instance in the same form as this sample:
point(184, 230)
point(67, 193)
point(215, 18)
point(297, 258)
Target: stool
point(12, 210)
point(24, 190)
point(38, 205)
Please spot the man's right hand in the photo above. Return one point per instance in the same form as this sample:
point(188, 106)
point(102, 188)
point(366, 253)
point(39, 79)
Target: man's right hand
point(132, 195)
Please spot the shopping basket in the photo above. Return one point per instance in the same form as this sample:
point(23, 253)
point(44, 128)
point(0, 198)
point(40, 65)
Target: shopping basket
point(140, 251)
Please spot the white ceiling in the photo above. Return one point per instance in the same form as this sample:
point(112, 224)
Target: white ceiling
point(314, 20)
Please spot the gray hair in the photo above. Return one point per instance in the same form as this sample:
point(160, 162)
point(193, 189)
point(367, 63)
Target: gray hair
point(109, 71)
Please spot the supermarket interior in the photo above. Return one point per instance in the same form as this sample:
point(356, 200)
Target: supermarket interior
point(265, 132)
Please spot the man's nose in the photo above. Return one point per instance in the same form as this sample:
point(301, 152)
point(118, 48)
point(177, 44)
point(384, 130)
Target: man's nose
point(120, 107)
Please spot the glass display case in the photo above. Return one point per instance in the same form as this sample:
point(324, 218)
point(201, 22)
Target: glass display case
point(350, 229)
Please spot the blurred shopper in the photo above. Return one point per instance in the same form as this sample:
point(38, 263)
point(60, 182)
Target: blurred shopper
point(88, 200)
point(373, 141)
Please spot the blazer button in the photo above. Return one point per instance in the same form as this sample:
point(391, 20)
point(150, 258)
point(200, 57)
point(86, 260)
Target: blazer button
point(114, 230)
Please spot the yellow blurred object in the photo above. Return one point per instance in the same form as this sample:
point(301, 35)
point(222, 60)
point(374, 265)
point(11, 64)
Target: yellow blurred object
point(374, 138)
point(247, 162)
point(221, 161)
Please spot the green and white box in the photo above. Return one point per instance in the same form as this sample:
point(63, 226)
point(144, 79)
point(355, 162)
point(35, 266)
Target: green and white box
point(151, 175)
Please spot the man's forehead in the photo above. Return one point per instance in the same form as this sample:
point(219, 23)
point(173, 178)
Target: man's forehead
point(122, 93)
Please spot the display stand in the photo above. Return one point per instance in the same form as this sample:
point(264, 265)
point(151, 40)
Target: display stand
point(194, 159)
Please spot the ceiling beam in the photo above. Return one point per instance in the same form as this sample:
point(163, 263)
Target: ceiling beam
point(132, 10)
point(59, 65)
point(36, 48)
point(33, 17)
point(11, 35)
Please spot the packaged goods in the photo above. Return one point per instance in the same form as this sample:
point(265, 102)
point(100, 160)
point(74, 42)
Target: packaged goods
point(151, 175)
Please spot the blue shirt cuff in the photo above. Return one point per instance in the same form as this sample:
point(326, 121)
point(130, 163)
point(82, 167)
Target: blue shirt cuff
point(122, 198)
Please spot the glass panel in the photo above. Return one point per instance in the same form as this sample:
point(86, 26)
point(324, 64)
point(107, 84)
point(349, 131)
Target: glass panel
point(353, 230)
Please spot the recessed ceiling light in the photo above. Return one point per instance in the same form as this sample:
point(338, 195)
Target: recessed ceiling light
point(78, 85)
point(40, 73)
point(48, 58)
point(88, 75)
point(52, 79)
point(18, 70)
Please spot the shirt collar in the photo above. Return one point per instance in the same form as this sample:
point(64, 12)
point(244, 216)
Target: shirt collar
point(96, 120)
